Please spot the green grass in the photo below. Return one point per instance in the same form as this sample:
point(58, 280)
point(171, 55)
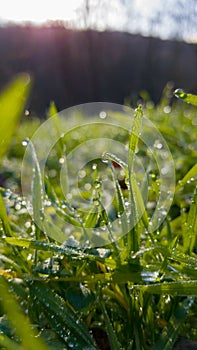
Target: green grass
point(138, 292)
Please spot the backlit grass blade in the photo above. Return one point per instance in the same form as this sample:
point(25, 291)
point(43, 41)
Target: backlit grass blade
point(186, 259)
point(120, 201)
point(189, 98)
point(12, 102)
point(139, 200)
point(190, 176)
point(37, 188)
point(92, 218)
point(44, 222)
point(191, 232)
point(180, 288)
point(60, 146)
point(135, 133)
point(53, 114)
point(4, 219)
point(133, 235)
point(9, 344)
point(18, 320)
point(74, 254)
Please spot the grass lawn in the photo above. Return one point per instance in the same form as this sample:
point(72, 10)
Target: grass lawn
point(84, 270)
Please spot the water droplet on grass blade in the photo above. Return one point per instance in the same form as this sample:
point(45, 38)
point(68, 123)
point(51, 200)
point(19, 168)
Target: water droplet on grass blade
point(94, 166)
point(25, 142)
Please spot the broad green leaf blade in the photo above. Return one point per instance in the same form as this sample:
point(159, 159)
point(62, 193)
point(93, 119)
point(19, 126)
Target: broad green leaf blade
point(12, 102)
point(189, 98)
point(18, 320)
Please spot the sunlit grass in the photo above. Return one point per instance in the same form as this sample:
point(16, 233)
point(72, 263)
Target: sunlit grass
point(139, 291)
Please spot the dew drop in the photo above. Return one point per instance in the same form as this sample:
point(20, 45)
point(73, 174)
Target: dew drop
point(61, 160)
point(25, 142)
point(94, 166)
point(102, 115)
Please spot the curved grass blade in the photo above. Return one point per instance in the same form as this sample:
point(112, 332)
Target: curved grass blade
point(189, 98)
point(4, 218)
point(18, 320)
point(12, 102)
point(37, 191)
point(60, 315)
point(191, 232)
point(179, 288)
point(120, 201)
point(133, 235)
point(190, 176)
point(44, 223)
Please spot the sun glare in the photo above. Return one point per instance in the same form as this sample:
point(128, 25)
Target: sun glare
point(38, 11)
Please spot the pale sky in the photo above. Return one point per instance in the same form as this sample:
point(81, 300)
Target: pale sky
point(112, 12)
point(134, 16)
point(38, 11)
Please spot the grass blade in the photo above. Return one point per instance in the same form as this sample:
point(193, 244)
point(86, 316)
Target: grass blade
point(133, 235)
point(115, 345)
point(181, 288)
point(59, 314)
point(12, 102)
point(9, 344)
point(189, 98)
point(18, 320)
point(191, 233)
point(190, 176)
point(4, 218)
point(171, 332)
point(133, 143)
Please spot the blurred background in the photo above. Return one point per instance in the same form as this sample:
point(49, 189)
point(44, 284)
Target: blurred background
point(98, 50)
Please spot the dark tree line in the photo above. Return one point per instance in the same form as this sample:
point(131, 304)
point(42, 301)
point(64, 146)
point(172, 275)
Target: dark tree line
point(73, 67)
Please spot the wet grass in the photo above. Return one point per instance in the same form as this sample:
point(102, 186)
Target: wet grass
point(134, 292)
